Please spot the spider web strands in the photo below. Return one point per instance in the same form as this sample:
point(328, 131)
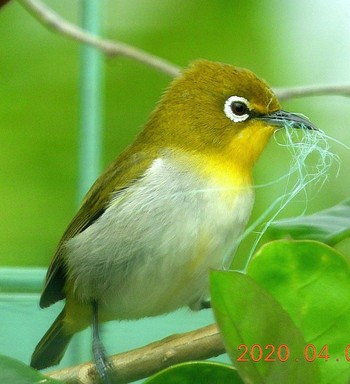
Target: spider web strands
point(302, 144)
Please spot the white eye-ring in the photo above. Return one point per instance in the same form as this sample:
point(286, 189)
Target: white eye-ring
point(237, 108)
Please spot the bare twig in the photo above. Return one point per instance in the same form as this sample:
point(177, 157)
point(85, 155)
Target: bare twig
point(312, 90)
point(58, 24)
point(130, 366)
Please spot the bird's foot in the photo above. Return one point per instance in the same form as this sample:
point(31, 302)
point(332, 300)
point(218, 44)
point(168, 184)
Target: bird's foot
point(104, 367)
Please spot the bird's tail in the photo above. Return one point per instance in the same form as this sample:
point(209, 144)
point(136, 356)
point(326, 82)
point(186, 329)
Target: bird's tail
point(52, 346)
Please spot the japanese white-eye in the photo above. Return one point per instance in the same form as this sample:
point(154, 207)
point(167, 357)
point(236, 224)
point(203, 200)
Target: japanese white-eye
point(167, 209)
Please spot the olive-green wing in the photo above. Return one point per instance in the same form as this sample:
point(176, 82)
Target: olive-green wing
point(118, 176)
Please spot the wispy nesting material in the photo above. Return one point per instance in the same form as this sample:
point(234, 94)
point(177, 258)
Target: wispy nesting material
point(311, 160)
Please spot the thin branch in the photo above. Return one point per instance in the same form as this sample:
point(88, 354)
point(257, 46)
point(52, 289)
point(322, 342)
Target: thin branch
point(58, 24)
point(137, 364)
point(312, 90)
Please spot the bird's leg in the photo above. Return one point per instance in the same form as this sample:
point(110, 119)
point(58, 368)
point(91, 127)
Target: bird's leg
point(98, 350)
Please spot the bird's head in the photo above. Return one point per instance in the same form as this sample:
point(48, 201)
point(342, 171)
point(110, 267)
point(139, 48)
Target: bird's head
point(220, 110)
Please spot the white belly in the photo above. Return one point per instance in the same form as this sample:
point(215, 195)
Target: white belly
point(151, 251)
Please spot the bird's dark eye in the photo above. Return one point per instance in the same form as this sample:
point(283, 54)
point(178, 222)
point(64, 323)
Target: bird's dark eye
point(237, 108)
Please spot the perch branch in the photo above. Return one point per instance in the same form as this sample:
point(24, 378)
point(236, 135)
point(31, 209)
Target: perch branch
point(53, 21)
point(312, 90)
point(142, 362)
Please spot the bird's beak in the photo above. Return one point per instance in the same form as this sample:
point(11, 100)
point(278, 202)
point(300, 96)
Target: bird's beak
point(281, 118)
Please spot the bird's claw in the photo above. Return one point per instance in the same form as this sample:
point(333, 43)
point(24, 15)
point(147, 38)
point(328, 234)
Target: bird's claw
point(104, 366)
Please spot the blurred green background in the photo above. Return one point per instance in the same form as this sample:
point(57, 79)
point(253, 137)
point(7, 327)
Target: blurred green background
point(286, 42)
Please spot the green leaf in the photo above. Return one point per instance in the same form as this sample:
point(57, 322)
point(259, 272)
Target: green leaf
point(329, 226)
point(15, 372)
point(197, 372)
point(248, 315)
point(312, 283)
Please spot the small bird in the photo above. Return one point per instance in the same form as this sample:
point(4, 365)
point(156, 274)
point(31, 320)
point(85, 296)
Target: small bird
point(166, 211)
